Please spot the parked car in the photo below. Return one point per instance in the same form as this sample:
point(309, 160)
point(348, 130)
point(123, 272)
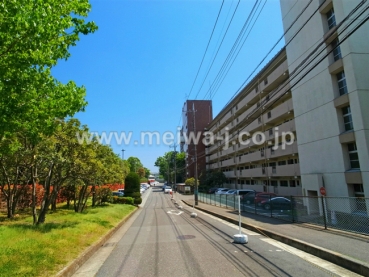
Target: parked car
point(259, 197)
point(121, 190)
point(244, 192)
point(117, 193)
point(231, 192)
point(222, 191)
point(249, 197)
point(168, 189)
point(276, 203)
point(212, 190)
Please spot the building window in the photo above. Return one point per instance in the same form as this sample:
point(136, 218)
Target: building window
point(283, 183)
point(331, 19)
point(282, 163)
point(274, 183)
point(341, 80)
point(256, 89)
point(259, 120)
point(267, 98)
point(294, 183)
point(271, 132)
point(269, 114)
point(354, 157)
point(347, 118)
point(265, 81)
point(273, 165)
point(336, 50)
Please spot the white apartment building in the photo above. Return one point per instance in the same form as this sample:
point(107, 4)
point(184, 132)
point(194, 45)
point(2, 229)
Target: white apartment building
point(331, 100)
point(263, 109)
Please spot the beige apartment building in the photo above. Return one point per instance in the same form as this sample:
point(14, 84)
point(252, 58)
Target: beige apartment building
point(253, 135)
point(331, 99)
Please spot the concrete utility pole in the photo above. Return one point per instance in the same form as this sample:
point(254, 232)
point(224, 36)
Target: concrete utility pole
point(175, 166)
point(196, 177)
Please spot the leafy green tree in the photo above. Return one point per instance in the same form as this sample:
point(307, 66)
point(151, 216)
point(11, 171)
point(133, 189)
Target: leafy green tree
point(166, 166)
point(211, 179)
point(132, 185)
point(34, 36)
point(134, 164)
point(147, 172)
point(141, 172)
point(191, 182)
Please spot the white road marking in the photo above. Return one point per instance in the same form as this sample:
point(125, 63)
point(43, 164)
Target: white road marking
point(174, 212)
point(311, 259)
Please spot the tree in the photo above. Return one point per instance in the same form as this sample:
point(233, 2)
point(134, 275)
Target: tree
point(211, 178)
point(132, 187)
point(147, 172)
point(191, 182)
point(134, 164)
point(141, 172)
point(34, 36)
point(166, 165)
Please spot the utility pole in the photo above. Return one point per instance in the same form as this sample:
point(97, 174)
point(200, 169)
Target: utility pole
point(196, 177)
point(175, 166)
point(123, 154)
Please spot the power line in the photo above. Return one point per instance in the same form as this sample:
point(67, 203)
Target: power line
point(211, 65)
point(295, 74)
point(215, 24)
point(218, 83)
point(240, 35)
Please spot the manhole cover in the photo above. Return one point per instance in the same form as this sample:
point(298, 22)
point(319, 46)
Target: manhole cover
point(186, 237)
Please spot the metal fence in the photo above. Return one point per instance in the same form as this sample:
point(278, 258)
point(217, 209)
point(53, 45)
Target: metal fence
point(343, 213)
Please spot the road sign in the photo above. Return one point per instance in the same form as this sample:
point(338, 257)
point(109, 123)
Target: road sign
point(322, 191)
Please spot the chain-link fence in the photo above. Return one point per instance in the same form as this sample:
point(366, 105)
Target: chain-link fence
point(344, 213)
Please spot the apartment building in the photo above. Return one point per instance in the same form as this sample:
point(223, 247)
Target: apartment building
point(196, 115)
point(254, 136)
point(331, 99)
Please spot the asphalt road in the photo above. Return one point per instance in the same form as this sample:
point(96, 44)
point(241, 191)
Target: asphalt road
point(163, 240)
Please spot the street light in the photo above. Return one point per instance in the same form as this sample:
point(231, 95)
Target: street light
point(123, 154)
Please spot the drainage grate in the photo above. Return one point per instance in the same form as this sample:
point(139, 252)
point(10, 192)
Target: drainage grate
point(184, 237)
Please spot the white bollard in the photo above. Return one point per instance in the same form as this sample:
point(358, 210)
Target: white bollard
point(240, 238)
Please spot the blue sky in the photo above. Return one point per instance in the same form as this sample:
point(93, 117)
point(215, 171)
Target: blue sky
point(139, 67)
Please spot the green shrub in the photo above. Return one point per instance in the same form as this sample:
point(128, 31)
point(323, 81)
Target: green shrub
point(132, 184)
point(123, 200)
point(138, 201)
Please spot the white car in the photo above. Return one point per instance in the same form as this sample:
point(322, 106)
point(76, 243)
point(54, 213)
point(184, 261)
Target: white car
point(231, 192)
point(222, 191)
point(167, 189)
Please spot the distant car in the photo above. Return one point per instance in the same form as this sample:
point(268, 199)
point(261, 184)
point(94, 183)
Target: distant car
point(222, 191)
point(167, 189)
point(231, 192)
point(276, 203)
point(259, 197)
point(121, 190)
point(212, 190)
point(117, 193)
point(256, 197)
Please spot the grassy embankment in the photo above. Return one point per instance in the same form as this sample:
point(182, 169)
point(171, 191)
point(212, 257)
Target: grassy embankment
point(28, 250)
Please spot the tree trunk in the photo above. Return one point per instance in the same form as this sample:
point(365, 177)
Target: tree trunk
point(34, 204)
point(9, 206)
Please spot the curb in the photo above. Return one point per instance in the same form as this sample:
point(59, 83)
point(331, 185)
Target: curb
point(328, 255)
point(74, 265)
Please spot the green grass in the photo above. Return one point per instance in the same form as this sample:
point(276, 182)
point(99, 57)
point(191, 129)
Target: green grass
point(28, 250)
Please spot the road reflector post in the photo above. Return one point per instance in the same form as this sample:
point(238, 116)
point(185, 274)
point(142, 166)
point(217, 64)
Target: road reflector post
point(240, 238)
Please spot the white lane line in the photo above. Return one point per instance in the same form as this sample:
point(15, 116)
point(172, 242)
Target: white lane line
point(311, 259)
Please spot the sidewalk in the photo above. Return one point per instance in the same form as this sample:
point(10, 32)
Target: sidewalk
point(342, 248)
